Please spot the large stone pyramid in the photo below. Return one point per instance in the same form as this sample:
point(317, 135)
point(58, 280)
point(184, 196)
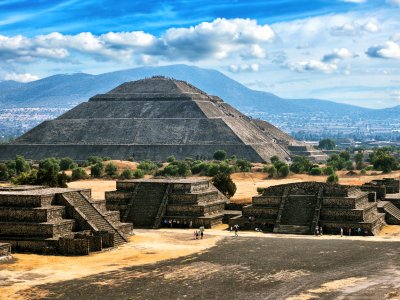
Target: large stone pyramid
point(152, 119)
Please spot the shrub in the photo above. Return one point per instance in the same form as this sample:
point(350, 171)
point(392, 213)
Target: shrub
point(363, 172)
point(66, 163)
point(106, 158)
point(224, 183)
point(283, 171)
point(111, 169)
point(79, 173)
point(138, 174)
point(383, 160)
point(350, 166)
point(271, 171)
point(92, 160)
point(333, 178)
point(48, 173)
point(260, 190)
point(327, 144)
point(21, 166)
point(212, 169)
point(127, 174)
point(26, 178)
point(198, 167)
point(171, 158)
point(274, 159)
point(147, 166)
point(97, 170)
point(328, 170)
point(315, 171)
point(219, 155)
point(178, 168)
point(244, 165)
point(4, 175)
point(300, 165)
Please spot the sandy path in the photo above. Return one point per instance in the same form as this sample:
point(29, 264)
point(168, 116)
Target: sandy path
point(147, 246)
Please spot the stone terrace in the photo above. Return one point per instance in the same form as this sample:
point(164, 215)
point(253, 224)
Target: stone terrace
point(153, 203)
point(57, 220)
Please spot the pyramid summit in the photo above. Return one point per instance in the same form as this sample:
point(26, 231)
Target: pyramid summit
point(154, 118)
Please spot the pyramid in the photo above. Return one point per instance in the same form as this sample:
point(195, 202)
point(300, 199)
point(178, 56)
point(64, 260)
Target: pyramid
point(152, 119)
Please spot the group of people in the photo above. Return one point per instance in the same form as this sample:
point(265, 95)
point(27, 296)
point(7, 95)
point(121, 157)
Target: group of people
point(235, 228)
point(198, 233)
point(357, 231)
point(318, 231)
point(176, 223)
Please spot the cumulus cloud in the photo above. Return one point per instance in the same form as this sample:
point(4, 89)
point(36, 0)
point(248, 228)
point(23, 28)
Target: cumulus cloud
point(355, 1)
point(313, 65)
point(389, 49)
point(355, 28)
point(218, 39)
point(26, 77)
point(337, 55)
point(234, 68)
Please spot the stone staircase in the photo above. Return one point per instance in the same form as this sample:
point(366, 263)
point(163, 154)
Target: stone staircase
point(146, 204)
point(294, 229)
point(162, 209)
point(391, 211)
point(94, 218)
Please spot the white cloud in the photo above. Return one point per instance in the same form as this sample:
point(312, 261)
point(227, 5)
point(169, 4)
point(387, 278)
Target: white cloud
point(21, 77)
point(234, 68)
point(355, 1)
point(388, 49)
point(393, 2)
point(355, 28)
point(313, 65)
point(337, 54)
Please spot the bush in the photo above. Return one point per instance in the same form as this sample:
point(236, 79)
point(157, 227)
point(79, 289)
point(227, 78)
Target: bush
point(244, 165)
point(171, 158)
point(26, 178)
point(127, 174)
point(333, 178)
point(224, 183)
point(350, 166)
point(106, 158)
point(48, 173)
point(111, 169)
point(21, 166)
point(178, 168)
point(79, 173)
point(212, 169)
point(219, 155)
point(97, 170)
point(283, 171)
point(383, 160)
point(66, 163)
point(328, 171)
point(4, 175)
point(363, 172)
point(316, 171)
point(271, 171)
point(327, 144)
point(138, 174)
point(92, 160)
point(260, 190)
point(198, 167)
point(148, 166)
point(300, 165)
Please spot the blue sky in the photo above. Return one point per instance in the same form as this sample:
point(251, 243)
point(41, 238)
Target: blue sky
point(345, 50)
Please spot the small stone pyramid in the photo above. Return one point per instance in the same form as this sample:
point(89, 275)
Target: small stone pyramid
point(152, 119)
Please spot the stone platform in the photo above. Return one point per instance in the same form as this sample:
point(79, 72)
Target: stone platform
point(5, 251)
point(298, 208)
point(154, 203)
point(57, 221)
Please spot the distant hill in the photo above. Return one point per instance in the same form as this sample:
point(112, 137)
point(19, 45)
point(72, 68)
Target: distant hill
point(68, 90)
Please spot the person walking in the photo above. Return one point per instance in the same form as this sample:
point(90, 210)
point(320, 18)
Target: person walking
point(320, 230)
point(341, 231)
point(236, 230)
point(201, 232)
point(349, 231)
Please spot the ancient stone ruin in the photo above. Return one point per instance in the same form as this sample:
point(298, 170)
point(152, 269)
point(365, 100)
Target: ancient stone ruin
point(5, 251)
point(152, 119)
point(58, 221)
point(154, 203)
point(300, 207)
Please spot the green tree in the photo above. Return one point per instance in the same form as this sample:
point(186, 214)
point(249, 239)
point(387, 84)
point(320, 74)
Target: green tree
point(383, 160)
point(79, 173)
point(359, 160)
point(48, 172)
point(333, 178)
point(328, 170)
point(111, 169)
point(4, 175)
point(138, 174)
point(300, 165)
point(224, 183)
point(21, 166)
point(315, 171)
point(274, 159)
point(92, 160)
point(66, 163)
point(271, 171)
point(283, 171)
point(219, 155)
point(97, 170)
point(345, 155)
point(171, 158)
point(327, 144)
point(244, 165)
point(126, 174)
point(147, 166)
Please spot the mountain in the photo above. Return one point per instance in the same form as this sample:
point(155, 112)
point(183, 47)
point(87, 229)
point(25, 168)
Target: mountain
point(67, 90)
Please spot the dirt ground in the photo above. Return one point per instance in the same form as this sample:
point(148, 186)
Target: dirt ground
point(246, 183)
point(169, 264)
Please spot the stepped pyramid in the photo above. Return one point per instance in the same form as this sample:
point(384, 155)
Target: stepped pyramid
point(152, 119)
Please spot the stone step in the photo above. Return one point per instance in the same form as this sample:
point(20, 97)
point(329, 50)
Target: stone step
point(21, 200)
point(293, 229)
point(25, 229)
point(50, 214)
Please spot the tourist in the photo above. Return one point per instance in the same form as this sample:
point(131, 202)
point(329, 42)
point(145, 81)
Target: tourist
point(349, 231)
point(236, 230)
point(194, 234)
point(316, 230)
point(320, 230)
point(359, 231)
point(190, 224)
point(341, 231)
point(201, 232)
